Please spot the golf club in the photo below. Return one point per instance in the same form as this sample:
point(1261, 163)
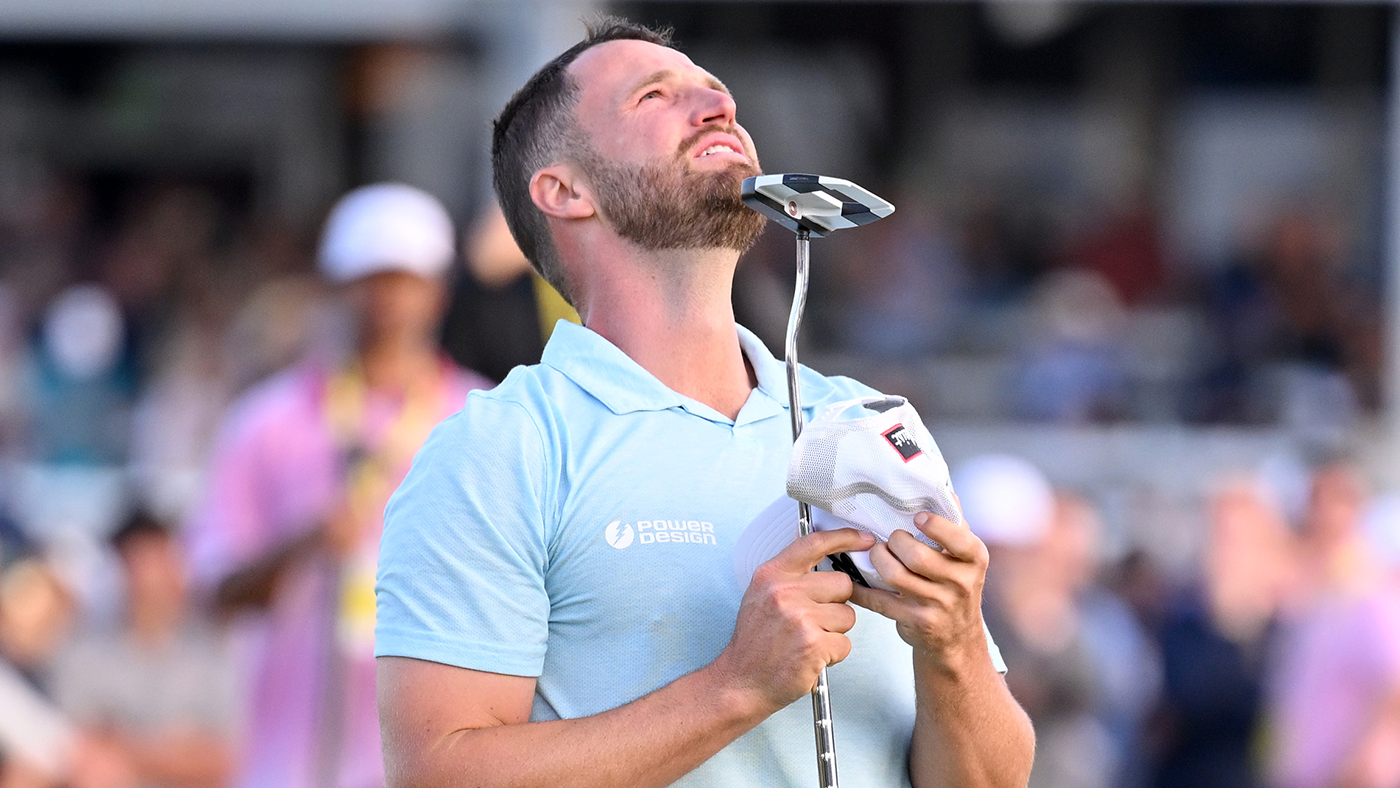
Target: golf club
point(812, 205)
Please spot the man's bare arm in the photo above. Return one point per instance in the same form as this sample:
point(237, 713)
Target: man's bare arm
point(447, 727)
point(969, 732)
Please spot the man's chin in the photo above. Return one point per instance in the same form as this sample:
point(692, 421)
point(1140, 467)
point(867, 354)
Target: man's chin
point(727, 184)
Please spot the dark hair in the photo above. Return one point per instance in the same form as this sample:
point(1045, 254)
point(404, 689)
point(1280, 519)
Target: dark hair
point(536, 128)
point(140, 523)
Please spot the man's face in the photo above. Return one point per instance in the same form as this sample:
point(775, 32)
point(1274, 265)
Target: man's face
point(663, 152)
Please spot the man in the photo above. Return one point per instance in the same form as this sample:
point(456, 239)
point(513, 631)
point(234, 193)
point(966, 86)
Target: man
point(535, 628)
point(158, 695)
point(290, 525)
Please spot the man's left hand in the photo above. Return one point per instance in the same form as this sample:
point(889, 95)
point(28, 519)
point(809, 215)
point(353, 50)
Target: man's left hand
point(938, 609)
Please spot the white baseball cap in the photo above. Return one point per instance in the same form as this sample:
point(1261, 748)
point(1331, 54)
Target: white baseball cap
point(386, 227)
point(776, 526)
point(1006, 499)
point(868, 464)
point(872, 462)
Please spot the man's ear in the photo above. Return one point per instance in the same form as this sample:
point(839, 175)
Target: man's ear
point(560, 193)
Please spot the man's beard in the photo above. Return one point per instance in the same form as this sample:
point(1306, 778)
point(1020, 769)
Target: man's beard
point(666, 205)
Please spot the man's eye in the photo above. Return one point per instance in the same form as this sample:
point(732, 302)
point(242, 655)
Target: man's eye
point(651, 94)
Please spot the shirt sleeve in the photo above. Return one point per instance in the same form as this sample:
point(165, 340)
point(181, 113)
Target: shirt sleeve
point(464, 553)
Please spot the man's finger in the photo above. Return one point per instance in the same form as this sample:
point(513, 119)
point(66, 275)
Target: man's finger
point(806, 552)
point(907, 564)
point(827, 587)
point(956, 538)
point(878, 600)
point(835, 618)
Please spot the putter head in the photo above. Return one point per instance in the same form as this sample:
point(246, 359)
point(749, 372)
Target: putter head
point(816, 203)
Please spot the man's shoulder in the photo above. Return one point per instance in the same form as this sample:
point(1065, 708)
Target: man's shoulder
point(522, 407)
point(538, 391)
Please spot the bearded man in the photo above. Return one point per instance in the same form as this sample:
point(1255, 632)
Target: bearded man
point(557, 599)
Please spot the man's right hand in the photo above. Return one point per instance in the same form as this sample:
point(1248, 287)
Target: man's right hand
point(793, 621)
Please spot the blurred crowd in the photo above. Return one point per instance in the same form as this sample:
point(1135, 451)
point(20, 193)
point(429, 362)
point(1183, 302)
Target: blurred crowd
point(171, 523)
point(1093, 320)
point(1275, 662)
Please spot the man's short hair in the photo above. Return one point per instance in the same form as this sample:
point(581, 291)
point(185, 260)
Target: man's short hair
point(537, 128)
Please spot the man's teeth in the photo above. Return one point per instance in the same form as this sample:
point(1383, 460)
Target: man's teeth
point(716, 149)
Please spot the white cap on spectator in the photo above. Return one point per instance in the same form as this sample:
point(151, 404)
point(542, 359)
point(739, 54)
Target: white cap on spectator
point(1005, 500)
point(386, 227)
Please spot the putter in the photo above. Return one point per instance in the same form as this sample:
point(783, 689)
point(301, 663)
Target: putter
point(812, 205)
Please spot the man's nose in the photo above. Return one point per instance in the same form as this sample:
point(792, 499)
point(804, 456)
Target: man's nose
point(714, 106)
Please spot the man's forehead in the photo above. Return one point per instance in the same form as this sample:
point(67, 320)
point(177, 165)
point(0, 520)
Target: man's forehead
point(620, 65)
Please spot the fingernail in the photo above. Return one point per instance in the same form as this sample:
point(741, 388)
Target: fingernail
point(921, 518)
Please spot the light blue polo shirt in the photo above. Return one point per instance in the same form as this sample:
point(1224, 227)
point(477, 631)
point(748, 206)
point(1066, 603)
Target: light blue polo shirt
point(577, 523)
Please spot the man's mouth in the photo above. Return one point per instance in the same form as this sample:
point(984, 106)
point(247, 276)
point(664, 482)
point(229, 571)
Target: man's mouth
point(718, 144)
point(713, 149)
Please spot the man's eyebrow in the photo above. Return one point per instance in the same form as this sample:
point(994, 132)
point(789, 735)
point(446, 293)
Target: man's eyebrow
point(666, 73)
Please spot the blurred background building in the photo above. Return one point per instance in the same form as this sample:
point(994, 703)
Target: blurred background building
point(1152, 248)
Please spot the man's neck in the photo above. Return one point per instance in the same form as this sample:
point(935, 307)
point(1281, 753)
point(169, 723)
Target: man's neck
point(672, 313)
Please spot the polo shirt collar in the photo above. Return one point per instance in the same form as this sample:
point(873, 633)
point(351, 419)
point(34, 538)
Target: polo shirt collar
point(624, 386)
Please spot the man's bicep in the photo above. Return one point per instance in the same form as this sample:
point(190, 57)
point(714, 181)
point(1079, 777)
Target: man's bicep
point(446, 698)
point(422, 704)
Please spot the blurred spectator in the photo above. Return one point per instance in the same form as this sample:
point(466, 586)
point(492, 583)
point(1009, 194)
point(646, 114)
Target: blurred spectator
point(160, 265)
point(1216, 639)
point(82, 381)
point(1336, 694)
point(303, 467)
point(201, 368)
point(158, 694)
point(1080, 664)
point(1074, 368)
point(502, 313)
point(905, 286)
point(1125, 248)
point(1337, 561)
point(175, 418)
point(1128, 667)
point(36, 612)
point(1007, 249)
point(282, 322)
point(1287, 301)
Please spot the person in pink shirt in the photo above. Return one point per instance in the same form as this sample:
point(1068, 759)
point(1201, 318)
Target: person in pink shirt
point(289, 527)
point(1336, 689)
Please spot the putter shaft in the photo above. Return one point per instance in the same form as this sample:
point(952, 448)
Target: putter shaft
point(821, 698)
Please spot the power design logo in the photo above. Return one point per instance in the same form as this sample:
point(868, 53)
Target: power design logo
point(619, 534)
point(671, 532)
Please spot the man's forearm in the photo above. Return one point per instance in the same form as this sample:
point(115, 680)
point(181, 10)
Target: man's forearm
point(652, 741)
point(969, 731)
